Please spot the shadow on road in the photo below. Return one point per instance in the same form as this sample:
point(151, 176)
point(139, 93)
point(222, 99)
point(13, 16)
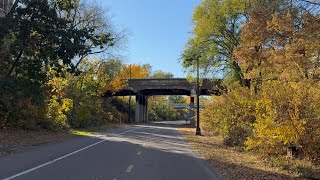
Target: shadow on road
point(171, 124)
point(162, 138)
point(164, 155)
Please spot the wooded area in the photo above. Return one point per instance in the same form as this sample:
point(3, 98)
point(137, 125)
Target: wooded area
point(57, 61)
point(268, 53)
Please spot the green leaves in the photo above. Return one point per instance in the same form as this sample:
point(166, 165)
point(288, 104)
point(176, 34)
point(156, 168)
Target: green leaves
point(216, 34)
point(50, 32)
point(43, 44)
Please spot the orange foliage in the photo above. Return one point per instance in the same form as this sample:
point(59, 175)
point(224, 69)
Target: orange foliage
point(121, 80)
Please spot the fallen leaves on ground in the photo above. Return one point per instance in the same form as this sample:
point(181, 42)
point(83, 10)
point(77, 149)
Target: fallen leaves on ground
point(233, 163)
point(12, 141)
point(15, 140)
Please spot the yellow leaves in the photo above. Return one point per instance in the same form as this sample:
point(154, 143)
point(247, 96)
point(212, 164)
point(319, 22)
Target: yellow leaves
point(57, 84)
point(282, 24)
point(135, 71)
point(275, 48)
point(34, 33)
point(77, 94)
point(280, 55)
point(66, 104)
point(281, 113)
point(63, 105)
point(57, 111)
point(230, 115)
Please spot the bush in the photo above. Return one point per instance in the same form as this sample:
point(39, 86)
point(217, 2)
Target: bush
point(279, 115)
point(287, 115)
point(57, 112)
point(231, 115)
point(21, 104)
point(87, 113)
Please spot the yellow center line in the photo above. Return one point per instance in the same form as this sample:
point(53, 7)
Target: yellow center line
point(129, 169)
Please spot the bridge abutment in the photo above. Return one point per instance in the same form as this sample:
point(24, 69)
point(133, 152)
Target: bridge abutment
point(141, 114)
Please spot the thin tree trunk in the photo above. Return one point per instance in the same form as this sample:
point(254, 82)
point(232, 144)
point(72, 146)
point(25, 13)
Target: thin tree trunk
point(15, 64)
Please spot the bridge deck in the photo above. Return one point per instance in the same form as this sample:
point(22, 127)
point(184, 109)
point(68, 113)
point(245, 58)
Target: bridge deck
point(173, 86)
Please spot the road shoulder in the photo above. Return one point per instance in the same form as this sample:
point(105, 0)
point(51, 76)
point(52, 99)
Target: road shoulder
point(30, 158)
point(19, 140)
point(232, 163)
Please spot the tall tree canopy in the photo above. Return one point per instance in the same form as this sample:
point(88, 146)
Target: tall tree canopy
point(43, 44)
point(216, 33)
point(271, 49)
point(43, 33)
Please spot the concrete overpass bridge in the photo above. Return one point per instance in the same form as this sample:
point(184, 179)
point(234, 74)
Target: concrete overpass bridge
point(143, 88)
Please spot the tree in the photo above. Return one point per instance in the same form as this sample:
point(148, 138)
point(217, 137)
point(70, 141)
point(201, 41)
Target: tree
point(177, 99)
point(279, 54)
point(161, 74)
point(159, 109)
point(39, 37)
point(54, 32)
point(89, 15)
point(217, 31)
point(279, 44)
point(216, 34)
point(127, 71)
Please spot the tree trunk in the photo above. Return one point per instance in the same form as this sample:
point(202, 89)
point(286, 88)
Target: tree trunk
point(15, 64)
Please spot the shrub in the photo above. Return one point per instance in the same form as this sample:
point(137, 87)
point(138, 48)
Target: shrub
point(279, 115)
point(287, 114)
point(231, 115)
point(57, 112)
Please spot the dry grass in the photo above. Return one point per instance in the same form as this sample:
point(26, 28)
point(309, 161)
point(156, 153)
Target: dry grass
point(232, 163)
point(12, 141)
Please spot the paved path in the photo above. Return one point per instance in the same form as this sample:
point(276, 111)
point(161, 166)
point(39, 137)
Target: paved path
point(137, 152)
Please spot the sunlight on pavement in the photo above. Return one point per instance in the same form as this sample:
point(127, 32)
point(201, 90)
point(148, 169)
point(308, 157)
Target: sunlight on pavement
point(167, 143)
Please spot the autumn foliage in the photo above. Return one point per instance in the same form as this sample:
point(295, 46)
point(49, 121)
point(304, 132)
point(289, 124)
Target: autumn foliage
point(133, 71)
point(278, 58)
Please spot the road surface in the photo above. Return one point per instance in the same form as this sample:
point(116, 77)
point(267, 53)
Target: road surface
point(137, 152)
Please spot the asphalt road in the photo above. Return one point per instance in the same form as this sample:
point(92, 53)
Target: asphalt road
point(137, 152)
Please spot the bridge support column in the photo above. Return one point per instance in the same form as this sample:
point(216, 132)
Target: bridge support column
point(191, 114)
point(145, 113)
point(141, 114)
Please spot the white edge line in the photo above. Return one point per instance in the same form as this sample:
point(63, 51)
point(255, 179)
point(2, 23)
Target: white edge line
point(129, 169)
point(60, 158)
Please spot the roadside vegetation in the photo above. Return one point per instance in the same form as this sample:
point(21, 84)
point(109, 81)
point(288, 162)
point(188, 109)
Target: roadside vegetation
point(267, 53)
point(235, 163)
point(49, 78)
point(58, 58)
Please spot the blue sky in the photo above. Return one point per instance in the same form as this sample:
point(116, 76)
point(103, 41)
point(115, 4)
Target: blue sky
point(158, 30)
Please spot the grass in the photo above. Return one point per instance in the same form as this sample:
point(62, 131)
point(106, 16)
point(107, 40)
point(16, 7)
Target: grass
point(93, 130)
point(234, 163)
